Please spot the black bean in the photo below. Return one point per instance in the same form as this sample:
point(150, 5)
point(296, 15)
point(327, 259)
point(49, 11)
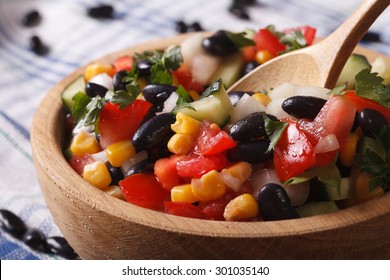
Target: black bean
point(59, 246)
point(239, 11)
point(274, 203)
point(371, 36)
point(157, 93)
point(143, 67)
point(93, 90)
point(37, 46)
point(103, 11)
point(249, 127)
point(248, 67)
point(219, 44)
point(235, 96)
point(12, 224)
point(116, 173)
point(117, 80)
point(34, 238)
point(145, 166)
point(195, 26)
point(32, 18)
point(371, 121)
point(251, 151)
point(181, 26)
point(306, 107)
point(154, 132)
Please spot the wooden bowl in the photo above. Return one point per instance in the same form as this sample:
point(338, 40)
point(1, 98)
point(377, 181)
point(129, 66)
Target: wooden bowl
point(99, 226)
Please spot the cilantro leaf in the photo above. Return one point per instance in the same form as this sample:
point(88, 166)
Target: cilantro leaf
point(369, 85)
point(81, 101)
point(274, 130)
point(340, 90)
point(293, 41)
point(184, 100)
point(126, 97)
point(172, 58)
point(239, 39)
point(93, 110)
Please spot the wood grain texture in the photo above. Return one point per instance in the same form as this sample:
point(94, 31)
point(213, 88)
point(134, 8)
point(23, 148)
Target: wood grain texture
point(99, 226)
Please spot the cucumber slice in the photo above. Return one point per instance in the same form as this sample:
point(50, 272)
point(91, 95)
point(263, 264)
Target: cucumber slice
point(381, 67)
point(78, 85)
point(229, 71)
point(214, 105)
point(344, 190)
point(354, 64)
point(317, 208)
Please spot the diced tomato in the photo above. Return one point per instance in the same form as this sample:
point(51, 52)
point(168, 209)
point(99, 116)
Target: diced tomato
point(214, 209)
point(123, 63)
point(120, 124)
point(308, 32)
point(212, 140)
point(249, 53)
point(293, 154)
point(78, 163)
point(183, 209)
point(185, 79)
point(166, 172)
point(361, 103)
point(266, 40)
point(143, 189)
point(194, 166)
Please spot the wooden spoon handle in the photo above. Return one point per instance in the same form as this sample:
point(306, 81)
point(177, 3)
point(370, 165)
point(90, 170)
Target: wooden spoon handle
point(338, 46)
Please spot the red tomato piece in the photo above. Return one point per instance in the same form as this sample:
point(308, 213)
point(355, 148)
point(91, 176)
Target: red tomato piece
point(361, 103)
point(212, 140)
point(183, 209)
point(185, 79)
point(293, 154)
point(266, 40)
point(308, 32)
point(120, 124)
point(78, 163)
point(123, 63)
point(195, 166)
point(143, 189)
point(214, 209)
point(166, 172)
point(249, 53)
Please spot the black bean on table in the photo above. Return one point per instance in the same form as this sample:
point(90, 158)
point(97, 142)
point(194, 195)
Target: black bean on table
point(31, 18)
point(157, 93)
point(103, 11)
point(93, 90)
point(274, 203)
point(371, 121)
point(254, 151)
point(181, 26)
point(239, 11)
point(12, 224)
point(34, 238)
point(59, 246)
point(154, 132)
point(371, 36)
point(219, 44)
point(303, 107)
point(249, 127)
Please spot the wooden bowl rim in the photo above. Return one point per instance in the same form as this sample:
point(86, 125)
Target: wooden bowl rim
point(46, 145)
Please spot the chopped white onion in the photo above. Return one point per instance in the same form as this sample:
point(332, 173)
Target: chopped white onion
point(102, 79)
point(275, 108)
point(191, 47)
point(327, 144)
point(245, 106)
point(204, 66)
point(260, 178)
point(284, 90)
point(298, 193)
point(314, 91)
point(101, 156)
point(138, 157)
point(170, 103)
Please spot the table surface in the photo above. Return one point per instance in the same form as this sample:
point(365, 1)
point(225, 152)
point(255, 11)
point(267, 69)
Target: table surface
point(76, 39)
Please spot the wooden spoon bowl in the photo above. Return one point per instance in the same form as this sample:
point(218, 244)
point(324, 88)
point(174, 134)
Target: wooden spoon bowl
point(99, 226)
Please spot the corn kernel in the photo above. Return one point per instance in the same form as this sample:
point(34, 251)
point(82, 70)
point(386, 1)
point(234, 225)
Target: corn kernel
point(114, 191)
point(120, 151)
point(183, 193)
point(97, 174)
point(236, 175)
point(180, 144)
point(348, 150)
point(242, 207)
point(84, 143)
point(262, 98)
point(263, 56)
point(95, 69)
point(186, 125)
point(210, 186)
point(142, 82)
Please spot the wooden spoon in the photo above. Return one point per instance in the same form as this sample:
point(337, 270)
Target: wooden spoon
point(320, 64)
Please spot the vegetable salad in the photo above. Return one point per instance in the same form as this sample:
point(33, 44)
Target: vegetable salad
point(159, 130)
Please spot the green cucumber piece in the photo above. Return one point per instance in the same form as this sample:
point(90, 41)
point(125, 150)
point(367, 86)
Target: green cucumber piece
point(229, 71)
point(78, 85)
point(317, 208)
point(354, 64)
point(214, 105)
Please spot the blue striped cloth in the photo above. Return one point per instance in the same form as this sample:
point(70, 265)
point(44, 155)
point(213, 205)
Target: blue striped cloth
point(75, 39)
